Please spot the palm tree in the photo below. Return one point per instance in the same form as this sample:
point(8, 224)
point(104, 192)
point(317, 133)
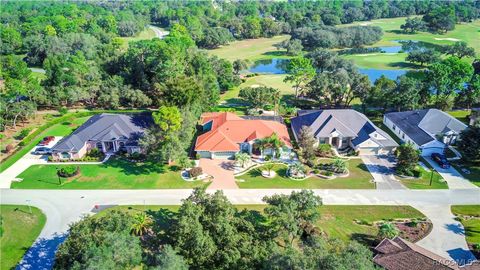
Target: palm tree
point(272, 142)
point(387, 230)
point(296, 168)
point(269, 167)
point(339, 165)
point(242, 159)
point(141, 223)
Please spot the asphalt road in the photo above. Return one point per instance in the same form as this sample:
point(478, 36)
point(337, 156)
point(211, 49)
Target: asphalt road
point(62, 207)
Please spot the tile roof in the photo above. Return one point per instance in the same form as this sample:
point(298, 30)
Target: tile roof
point(399, 254)
point(105, 127)
point(229, 130)
point(346, 122)
point(422, 125)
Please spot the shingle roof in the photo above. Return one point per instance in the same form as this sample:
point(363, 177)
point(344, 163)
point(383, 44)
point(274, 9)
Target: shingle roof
point(346, 122)
point(104, 127)
point(422, 125)
point(399, 254)
point(229, 130)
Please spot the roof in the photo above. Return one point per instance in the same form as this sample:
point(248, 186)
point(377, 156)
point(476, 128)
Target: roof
point(399, 254)
point(106, 127)
point(345, 122)
point(229, 130)
point(423, 125)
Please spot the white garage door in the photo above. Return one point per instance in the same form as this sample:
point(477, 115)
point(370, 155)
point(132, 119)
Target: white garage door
point(223, 155)
point(368, 151)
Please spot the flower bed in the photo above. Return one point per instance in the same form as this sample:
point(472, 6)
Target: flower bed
point(68, 171)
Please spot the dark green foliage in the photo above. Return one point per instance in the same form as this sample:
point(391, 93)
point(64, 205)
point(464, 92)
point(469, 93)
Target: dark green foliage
point(469, 145)
point(459, 49)
point(68, 171)
point(169, 259)
point(413, 25)
point(441, 19)
point(423, 56)
point(260, 96)
point(407, 159)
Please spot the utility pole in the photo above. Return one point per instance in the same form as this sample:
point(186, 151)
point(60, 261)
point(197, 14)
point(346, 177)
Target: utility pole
point(29, 206)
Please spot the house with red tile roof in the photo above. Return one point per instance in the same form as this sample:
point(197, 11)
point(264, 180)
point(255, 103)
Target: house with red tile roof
point(225, 134)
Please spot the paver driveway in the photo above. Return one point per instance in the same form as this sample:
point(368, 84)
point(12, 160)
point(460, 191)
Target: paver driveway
point(222, 172)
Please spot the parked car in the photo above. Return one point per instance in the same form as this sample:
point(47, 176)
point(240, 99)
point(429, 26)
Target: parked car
point(441, 160)
point(47, 140)
point(42, 151)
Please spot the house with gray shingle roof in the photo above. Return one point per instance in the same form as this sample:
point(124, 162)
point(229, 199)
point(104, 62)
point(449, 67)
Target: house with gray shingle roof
point(428, 130)
point(344, 128)
point(107, 132)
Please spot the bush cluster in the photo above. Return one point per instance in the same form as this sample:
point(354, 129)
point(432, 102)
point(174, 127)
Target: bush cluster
point(195, 172)
point(68, 171)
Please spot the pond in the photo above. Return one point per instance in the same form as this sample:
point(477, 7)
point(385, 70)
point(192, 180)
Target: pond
point(279, 66)
point(270, 66)
point(404, 46)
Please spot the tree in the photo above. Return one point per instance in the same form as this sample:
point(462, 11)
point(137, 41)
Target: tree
point(387, 230)
point(469, 96)
point(413, 25)
point(407, 159)
point(240, 64)
point(405, 94)
point(299, 71)
point(10, 40)
point(296, 169)
point(269, 167)
point(339, 165)
point(213, 37)
point(441, 18)
point(293, 46)
point(168, 119)
point(258, 97)
point(169, 259)
point(306, 143)
point(469, 143)
point(141, 223)
point(380, 94)
point(242, 159)
point(459, 49)
point(423, 56)
point(333, 89)
point(291, 214)
point(272, 142)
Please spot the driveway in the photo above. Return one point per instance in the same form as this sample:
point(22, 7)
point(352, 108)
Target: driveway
point(454, 179)
point(221, 171)
point(382, 170)
point(158, 32)
point(29, 159)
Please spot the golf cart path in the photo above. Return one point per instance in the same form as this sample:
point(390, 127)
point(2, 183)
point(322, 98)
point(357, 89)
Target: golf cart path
point(62, 207)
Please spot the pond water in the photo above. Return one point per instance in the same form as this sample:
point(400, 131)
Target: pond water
point(279, 66)
point(270, 66)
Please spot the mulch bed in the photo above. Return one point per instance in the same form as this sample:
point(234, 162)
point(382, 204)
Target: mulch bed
point(414, 233)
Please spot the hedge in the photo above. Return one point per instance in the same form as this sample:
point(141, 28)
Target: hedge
point(31, 140)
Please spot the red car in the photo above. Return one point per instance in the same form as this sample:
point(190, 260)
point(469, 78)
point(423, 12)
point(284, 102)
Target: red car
point(47, 140)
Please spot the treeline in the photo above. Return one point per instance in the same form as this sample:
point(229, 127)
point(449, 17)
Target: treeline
point(208, 232)
point(333, 82)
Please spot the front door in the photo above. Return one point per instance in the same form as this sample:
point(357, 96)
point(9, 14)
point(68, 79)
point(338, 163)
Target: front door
point(335, 141)
point(108, 146)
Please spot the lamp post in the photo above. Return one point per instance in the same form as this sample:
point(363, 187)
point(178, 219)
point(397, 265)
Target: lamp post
point(431, 176)
point(29, 206)
point(58, 175)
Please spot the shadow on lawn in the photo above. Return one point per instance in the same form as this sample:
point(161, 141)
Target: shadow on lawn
point(365, 239)
point(140, 168)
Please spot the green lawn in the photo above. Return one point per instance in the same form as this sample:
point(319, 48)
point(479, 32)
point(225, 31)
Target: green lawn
point(60, 129)
point(467, 32)
point(424, 181)
point(474, 168)
point(472, 225)
point(270, 80)
point(19, 231)
point(251, 49)
point(147, 33)
point(337, 221)
point(359, 178)
point(461, 115)
point(114, 174)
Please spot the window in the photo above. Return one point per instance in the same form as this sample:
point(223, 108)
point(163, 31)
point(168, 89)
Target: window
point(403, 136)
point(100, 146)
point(394, 127)
point(322, 141)
point(344, 140)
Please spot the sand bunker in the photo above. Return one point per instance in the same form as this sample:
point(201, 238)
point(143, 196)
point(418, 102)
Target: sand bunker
point(449, 39)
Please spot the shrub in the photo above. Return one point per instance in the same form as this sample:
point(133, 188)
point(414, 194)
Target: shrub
point(412, 223)
point(62, 110)
point(268, 157)
point(2, 136)
point(95, 153)
point(68, 171)
point(476, 247)
point(197, 156)
point(195, 172)
point(324, 150)
point(137, 156)
point(23, 133)
point(328, 173)
point(9, 148)
point(50, 158)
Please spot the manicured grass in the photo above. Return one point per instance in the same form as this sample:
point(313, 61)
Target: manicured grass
point(269, 80)
point(147, 33)
point(472, 225)
point(60, 129)
point(114, 174)
point(251, 49)
point(19, 231)
point(474, 168)
point(461, 115)
point(337, 221)
point(467, 32)
point(359, 178)
point(424, 181)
